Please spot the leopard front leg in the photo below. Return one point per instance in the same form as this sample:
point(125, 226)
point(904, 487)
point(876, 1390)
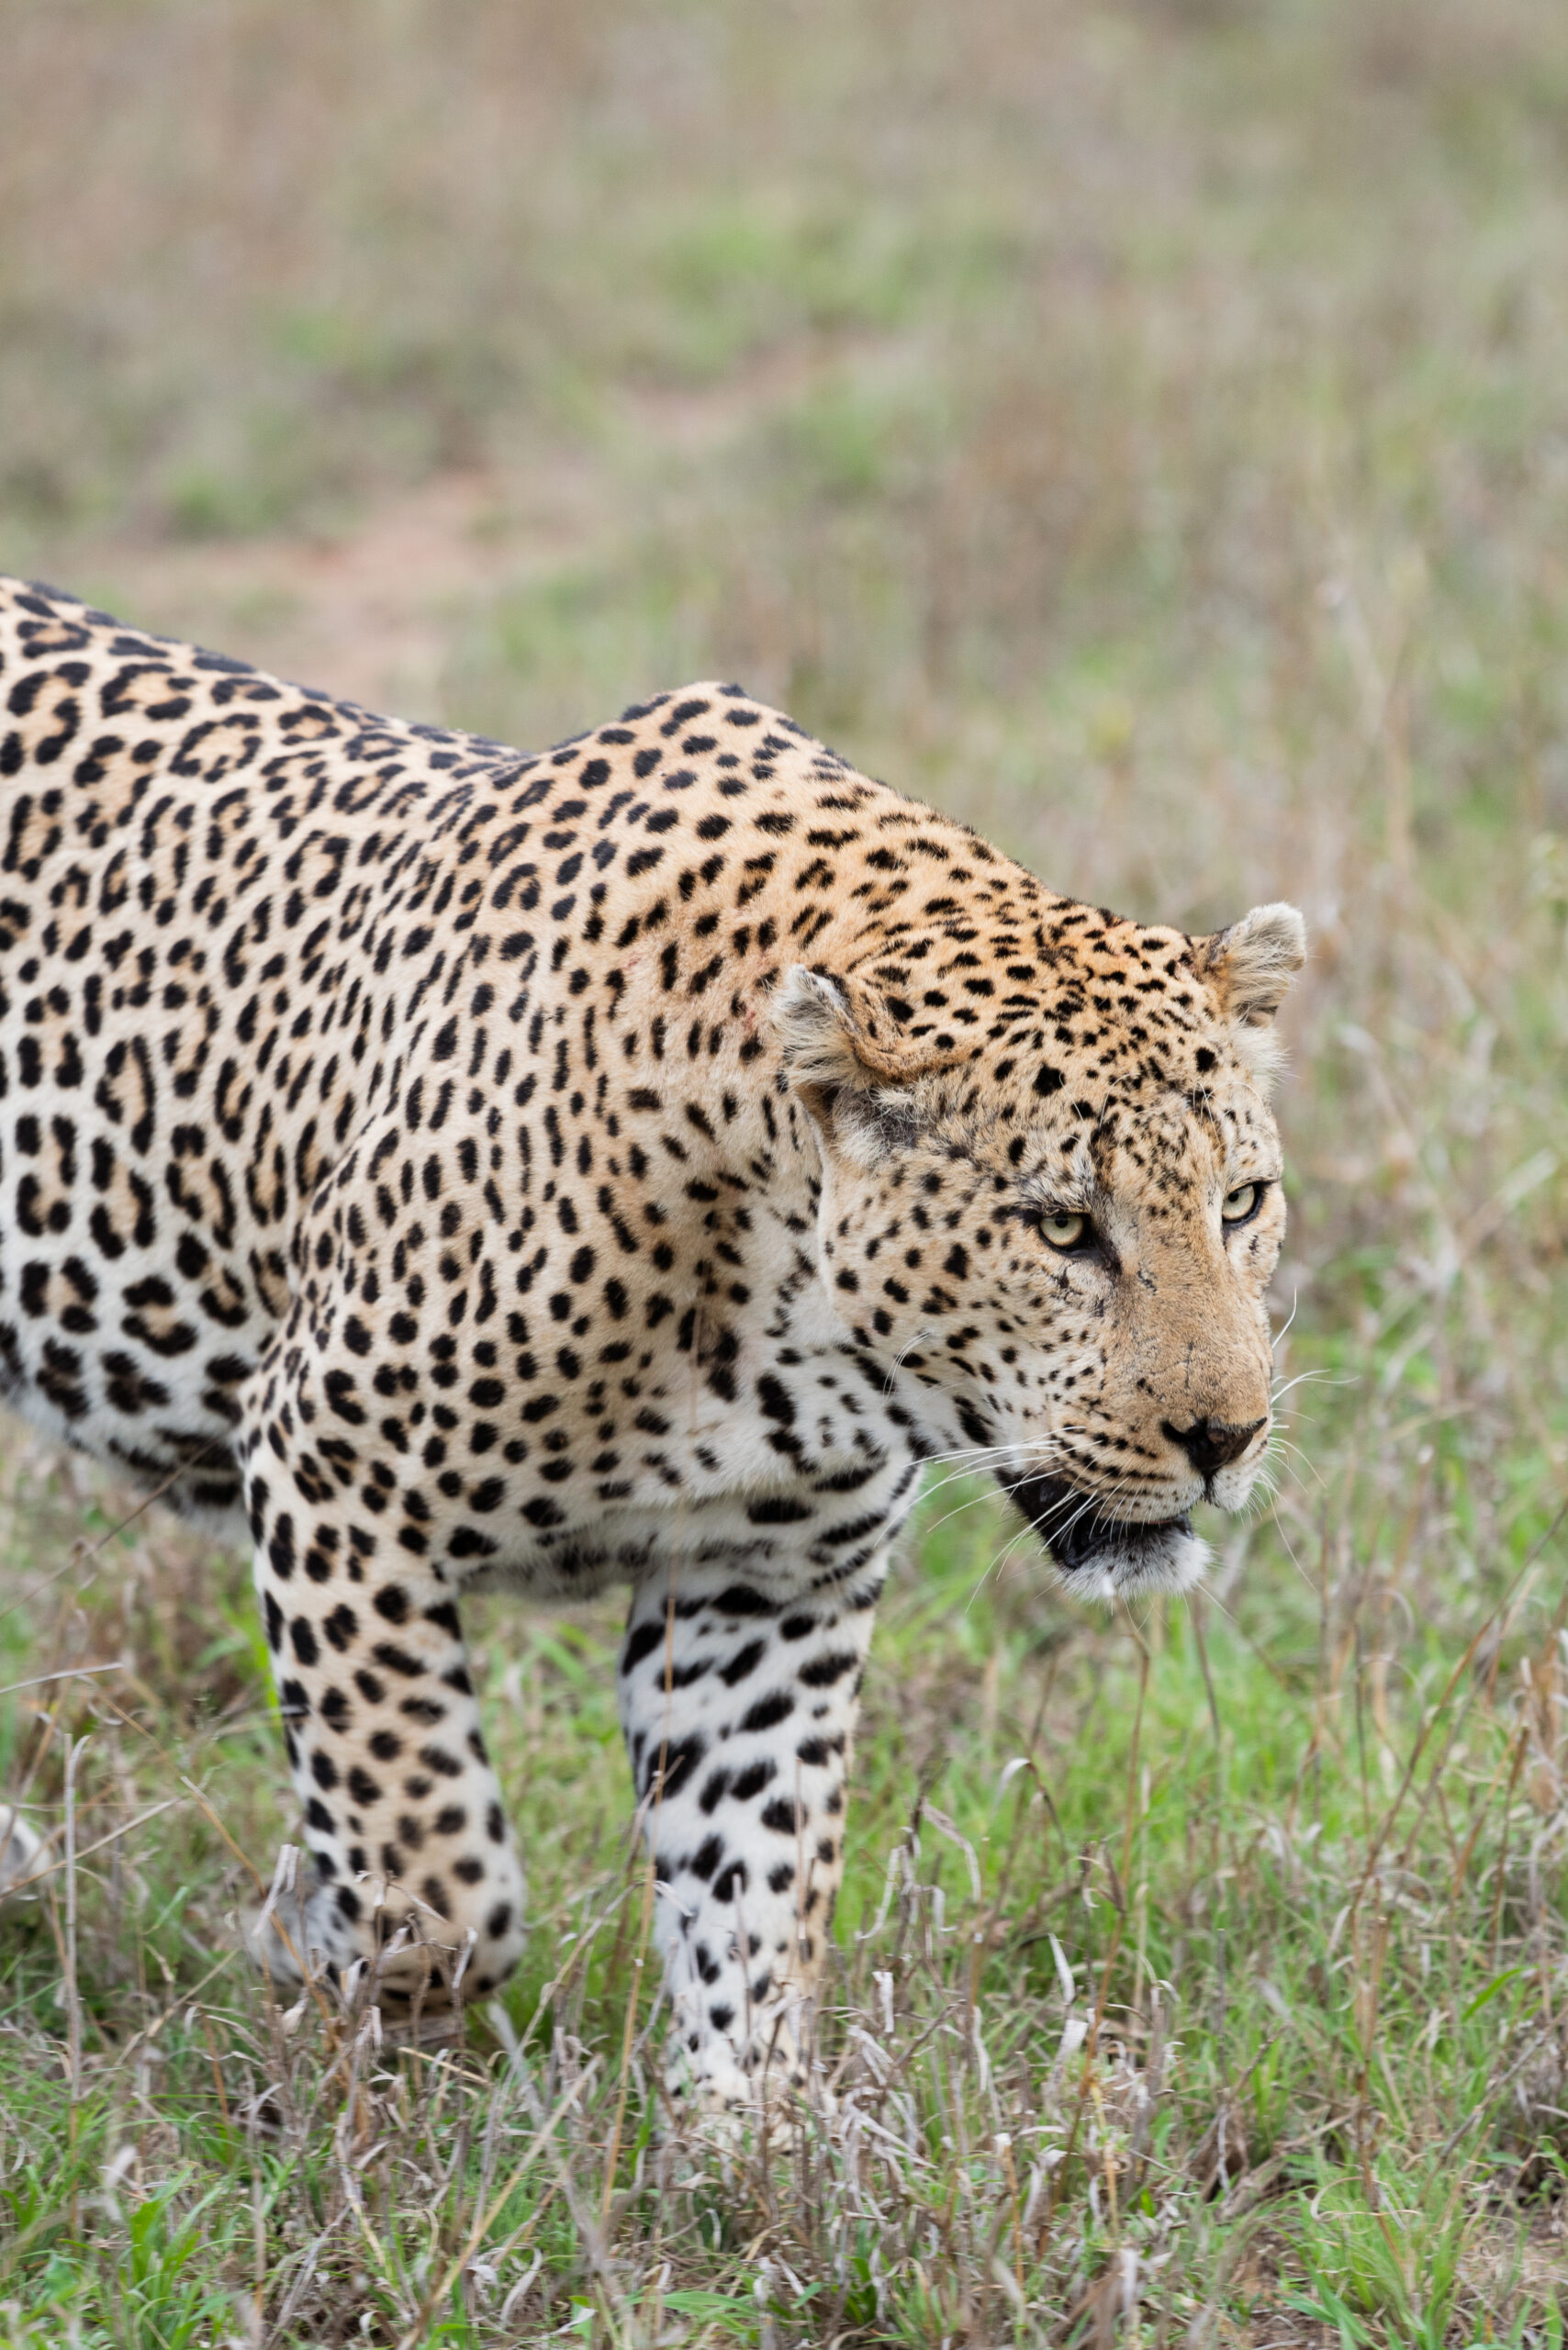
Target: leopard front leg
point(739, 1708)
point(402, 1813)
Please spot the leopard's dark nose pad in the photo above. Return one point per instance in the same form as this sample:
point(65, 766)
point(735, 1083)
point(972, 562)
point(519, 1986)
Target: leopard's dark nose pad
point(1212, 1444)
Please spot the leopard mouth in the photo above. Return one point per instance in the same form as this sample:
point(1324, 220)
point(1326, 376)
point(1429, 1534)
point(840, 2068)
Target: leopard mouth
point(1110, 1555)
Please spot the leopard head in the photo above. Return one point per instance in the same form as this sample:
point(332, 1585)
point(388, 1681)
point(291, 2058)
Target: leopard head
point(1060, 1230)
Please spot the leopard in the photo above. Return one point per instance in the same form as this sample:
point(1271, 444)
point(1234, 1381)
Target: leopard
point(437, 1167)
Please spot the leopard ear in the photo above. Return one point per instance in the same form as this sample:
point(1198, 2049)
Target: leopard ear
point(1251, 965)
point(845, 1060)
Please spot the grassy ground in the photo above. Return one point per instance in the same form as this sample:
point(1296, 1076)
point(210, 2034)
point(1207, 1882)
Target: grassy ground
point(1142, 429)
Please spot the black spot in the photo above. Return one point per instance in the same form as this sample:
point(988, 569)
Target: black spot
point(823, 1671)
point(778, 1509)
point(769, 1710)
point(678, 1760)
point(392, 1660)
point(708, 1855)
point(739, 1599)
point(340, 1626)
point(640, 1643)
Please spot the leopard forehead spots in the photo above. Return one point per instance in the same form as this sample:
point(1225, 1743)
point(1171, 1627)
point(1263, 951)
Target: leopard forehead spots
point(632, 1161)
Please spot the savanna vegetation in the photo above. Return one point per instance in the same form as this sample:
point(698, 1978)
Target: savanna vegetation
point(1143, 429)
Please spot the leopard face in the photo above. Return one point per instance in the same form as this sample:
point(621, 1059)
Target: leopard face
point(1063, 1243)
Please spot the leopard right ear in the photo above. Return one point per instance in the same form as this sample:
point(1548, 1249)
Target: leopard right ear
point(847, 1062)
point(1251, 965)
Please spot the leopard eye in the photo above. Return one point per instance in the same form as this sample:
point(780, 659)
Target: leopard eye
point(1240, 1205)
point(1064, 1231)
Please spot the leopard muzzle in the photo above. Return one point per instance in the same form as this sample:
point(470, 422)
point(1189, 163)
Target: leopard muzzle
point(1103, 1556)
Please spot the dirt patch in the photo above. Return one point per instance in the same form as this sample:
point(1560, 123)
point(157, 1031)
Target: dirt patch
point(368, 610)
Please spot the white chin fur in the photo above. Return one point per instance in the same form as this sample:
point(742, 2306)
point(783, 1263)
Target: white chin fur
point(1141, 1559)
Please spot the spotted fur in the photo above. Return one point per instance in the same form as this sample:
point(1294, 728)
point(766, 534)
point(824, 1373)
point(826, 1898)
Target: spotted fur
point(627, 1163)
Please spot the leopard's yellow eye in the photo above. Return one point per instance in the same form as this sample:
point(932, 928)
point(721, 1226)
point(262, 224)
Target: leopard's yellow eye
point(1242, 1203)
point(1064, 1231)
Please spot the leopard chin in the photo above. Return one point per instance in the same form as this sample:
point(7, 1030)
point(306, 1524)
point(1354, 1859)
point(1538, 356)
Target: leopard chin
point(1108, 1558)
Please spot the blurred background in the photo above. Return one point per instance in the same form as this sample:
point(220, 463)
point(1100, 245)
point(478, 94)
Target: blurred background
point(1141, 430)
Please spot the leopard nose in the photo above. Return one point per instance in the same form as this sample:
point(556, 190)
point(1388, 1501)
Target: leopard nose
point(1212, 1444)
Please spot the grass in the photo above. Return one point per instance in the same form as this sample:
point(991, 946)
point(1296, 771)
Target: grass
point(1140, 430)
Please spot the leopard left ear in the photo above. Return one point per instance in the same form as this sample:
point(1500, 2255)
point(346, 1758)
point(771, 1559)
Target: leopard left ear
point(847, 1062)
point(1250, 965)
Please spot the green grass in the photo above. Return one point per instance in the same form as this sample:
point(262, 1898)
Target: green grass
point(1142, 430)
